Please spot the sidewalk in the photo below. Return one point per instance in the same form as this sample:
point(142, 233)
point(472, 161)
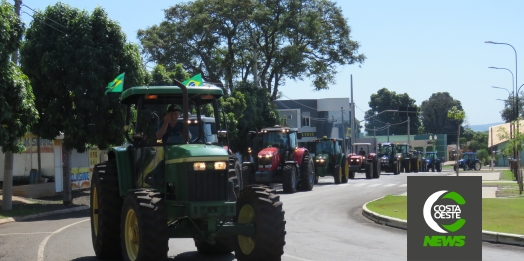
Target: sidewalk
point(487, 192)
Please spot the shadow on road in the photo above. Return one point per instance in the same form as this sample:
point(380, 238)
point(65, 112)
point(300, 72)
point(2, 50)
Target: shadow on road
point(186, 256)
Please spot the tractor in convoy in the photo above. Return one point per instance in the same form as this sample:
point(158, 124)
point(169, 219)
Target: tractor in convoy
point(178, 187)
point(416, 160)
point(363, 161)
point(404, 157)
point(389, 161)
point(330, 159)
point(469, 161)
point(433, 162)
point(278, 159)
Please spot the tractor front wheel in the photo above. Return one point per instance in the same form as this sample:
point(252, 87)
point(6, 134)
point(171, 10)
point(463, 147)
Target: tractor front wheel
point(396, 168)
point(477, 166)
point(144, 226)
point(261, 207)
point(369, 171)
point(307, 174)
point(247, 174)
point(337, 175)
point(377, 169)
point(105, 209)
point(289, 182)
point(345, 171)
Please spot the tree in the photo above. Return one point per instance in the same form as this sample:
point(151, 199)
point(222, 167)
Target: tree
point(458, 117)
point(69, 65)
point(161, 76)
point(17, 107)
point(508, 113)
point(289, 40)
point(433, 114)
point(390, 100)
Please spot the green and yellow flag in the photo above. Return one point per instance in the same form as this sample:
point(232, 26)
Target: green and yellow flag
point(117, 85)
point(194, 81)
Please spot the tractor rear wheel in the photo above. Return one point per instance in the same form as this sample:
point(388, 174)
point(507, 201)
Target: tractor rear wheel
point(477, 166)
point(345, 171)
point(289, 179)
point(105, 209)
point(337, 174)
point(439, 167)
point(369, 171)
point(307, 174)
point(246, 173)
point(222, 246)
point(259, 206)
point(316, 179)
point(377, 169)
point(144, 226)
point(415, 165)
point(396, 168)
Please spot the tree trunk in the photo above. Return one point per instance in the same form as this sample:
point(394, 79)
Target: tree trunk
point(66, 170)
point(7, 203)
point(458, 150)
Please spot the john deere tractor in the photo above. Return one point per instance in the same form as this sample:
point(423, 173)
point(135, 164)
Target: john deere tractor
point(404, 157)
point(177, 187)
point(330, 160)
point(387, 155)
point(278, 159)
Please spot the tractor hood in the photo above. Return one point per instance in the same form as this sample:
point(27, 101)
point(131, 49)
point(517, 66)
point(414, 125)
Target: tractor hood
point(267, 152)
point(194, 153)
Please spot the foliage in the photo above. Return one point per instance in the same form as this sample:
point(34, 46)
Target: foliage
point(260, 113)
point(508, 113)
point(434, 115)
point(289, 40)
point(390, 100)
point(11, 31)
point(17, 107)
point(478, 141)
point(483, 155)
point(161, 76)
point(70, 65)
point(513, 143)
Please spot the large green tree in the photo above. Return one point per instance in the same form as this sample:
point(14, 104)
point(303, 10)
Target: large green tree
point(434, 115)
point(17, 109)
point(69, 65)
point(384, 100)
point(508, 113)
point(226, 40)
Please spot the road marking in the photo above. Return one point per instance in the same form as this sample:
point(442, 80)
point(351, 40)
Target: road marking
point(374, 185)
point(390, 185)
point(41, 247)
point(34, 233)
point(403, 185)
point(297, 258)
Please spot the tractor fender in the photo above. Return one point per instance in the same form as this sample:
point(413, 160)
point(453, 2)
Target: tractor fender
point(124, 166)
point(228, 150)
point(299, 154)
point(289, 162)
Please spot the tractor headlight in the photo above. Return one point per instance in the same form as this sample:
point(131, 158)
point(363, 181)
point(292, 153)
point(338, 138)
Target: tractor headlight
point(220, 165)
point(199, 166)
point(269, 155)
point(358, 160)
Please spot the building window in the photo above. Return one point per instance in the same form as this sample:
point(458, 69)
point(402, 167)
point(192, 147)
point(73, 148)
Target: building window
point(306, 122)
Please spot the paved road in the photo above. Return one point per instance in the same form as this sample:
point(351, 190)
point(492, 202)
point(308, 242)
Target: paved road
point(325, 224)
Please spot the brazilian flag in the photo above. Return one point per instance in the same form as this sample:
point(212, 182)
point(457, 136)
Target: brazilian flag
point(194, 81)
point(117, 85)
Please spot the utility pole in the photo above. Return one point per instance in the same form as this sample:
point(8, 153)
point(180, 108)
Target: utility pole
point(7, 187)
point(388, 131)
point(343, 131)
point(255, 62)
point(352, 120)
point(409, 140)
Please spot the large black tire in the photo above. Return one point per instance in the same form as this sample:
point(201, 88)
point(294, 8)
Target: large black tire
point(247, 177)
point(222, 246)
point(396, 168)
point(316, 179)
point(144, 219)
point(345, 171)
point(439, 167)
point(477, 166)
point(377, 169)
point(407, 166)
point(260, 206)
point(415, 165)
point(455, 167)
point(337, 174)
point(351, 174)
point(307, 174)
point(369, 171)
point(105, 209)
point(289, 179)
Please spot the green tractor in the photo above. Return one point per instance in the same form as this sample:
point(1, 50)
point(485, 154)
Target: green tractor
point(179, 187)
point(404, 157)
point(330, 160)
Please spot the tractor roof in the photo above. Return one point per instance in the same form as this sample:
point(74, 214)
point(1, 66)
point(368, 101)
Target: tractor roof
point(279, 129)
point(361, 144)
point(386, 143)
point(169, 94)
point(325, 138)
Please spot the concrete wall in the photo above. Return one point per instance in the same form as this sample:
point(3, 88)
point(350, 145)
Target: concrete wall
point(34, 190)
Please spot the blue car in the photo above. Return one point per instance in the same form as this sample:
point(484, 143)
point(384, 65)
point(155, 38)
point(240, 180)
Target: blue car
point(433, 162)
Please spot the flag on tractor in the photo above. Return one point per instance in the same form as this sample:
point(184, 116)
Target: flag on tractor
point(194, 81)
point(117, 85)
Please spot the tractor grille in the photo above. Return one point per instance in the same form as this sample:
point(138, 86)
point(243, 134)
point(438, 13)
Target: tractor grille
point(264, 161)
point(208, 185)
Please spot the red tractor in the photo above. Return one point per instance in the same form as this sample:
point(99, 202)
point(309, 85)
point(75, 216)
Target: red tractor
point(363, 161)
point(277, 159)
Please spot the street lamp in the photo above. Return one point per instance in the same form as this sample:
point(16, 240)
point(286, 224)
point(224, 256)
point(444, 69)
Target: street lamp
point(433, 140)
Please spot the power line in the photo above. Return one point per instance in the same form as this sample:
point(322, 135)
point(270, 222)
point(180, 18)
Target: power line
point(47, 24)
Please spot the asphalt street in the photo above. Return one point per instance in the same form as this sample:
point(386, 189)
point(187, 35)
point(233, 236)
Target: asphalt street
point(324, 224)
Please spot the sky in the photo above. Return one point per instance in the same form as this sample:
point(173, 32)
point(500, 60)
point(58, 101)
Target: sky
point(412, 46)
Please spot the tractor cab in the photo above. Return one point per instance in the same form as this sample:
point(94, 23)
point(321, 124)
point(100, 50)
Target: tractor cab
point(330, 159)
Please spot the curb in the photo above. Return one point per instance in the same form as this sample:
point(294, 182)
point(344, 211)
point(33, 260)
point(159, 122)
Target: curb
point(60, 211)
point(487, 236)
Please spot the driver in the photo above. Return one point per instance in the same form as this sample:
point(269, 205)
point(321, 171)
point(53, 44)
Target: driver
point(170, 126)
point(281, 138)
